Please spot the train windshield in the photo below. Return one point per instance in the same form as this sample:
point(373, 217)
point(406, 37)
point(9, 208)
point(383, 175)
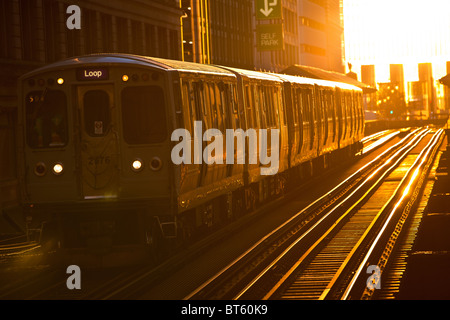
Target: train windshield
point(96, 112)
point(143, 115)
point(46, 113)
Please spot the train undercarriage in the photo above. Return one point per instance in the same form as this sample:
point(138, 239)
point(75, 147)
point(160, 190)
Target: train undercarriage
point(114, 233)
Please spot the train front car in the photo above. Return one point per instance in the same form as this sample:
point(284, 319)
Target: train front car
point(94, 155)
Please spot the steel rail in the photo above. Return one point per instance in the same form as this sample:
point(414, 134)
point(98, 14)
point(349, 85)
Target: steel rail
point(411, 176)
point(399, 155)
point(266, 239)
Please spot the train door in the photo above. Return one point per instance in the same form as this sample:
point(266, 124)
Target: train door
point(199, 107)
point(340, 116)
point(300, 116)
point(98, 142)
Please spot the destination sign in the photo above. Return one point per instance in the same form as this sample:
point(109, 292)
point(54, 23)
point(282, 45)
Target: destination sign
point(90, 74)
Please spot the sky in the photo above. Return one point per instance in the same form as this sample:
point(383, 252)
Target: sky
point(381, 32)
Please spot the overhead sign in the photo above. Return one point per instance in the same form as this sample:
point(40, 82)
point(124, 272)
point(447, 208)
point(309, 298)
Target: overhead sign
point(269, 37)
point(268, 9)
point(87, 74)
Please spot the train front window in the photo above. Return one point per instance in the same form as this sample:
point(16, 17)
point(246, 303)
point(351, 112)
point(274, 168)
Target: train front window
point(96, 113)
point(46, 119)
point(143, 115)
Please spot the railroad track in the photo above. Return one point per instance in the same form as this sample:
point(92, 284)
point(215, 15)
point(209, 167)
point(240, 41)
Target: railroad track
point(129, 283)
point(322, 251)
point(11, 247)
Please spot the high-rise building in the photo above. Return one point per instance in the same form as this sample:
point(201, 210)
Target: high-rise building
point(368, 77)
point(397, 76)
point(225, 32)
point(313, 36)
point(426, 78)
point(219, 32)
point(232, 33)
point(196, 30)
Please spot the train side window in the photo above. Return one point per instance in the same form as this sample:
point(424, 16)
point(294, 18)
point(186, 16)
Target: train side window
point(361, 117)
point(210, 105)
point(235, 104)
point(355, 118)
point(274, 99)
point(46, 113)
point(262, 107)
point(198, 100)
point(280, 104)
point(311, 117)
point(361, 110)
point(299, 115)
point(187, 108)
point(201, 102)
point(350, 111)
point(324, 114)
point(295, 106)
point(306, 116)
point(249, 106)
point(275, 112)
point(332, 113)
point(355, 110)
point(220, 106)
point(256, 108)
point(270, 107)
point(265, 97)
point(227, 105)
point(265, 92)
point(344, 116)
point(144, 115)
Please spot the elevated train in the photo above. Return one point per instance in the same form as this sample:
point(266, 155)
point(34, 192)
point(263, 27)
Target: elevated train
point(95, 146)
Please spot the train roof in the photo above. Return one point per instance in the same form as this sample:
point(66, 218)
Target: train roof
point(254, 74)
point(192, 66)
point(311, 81)
point(317, 73)
point(118, 58)
point(183, 66)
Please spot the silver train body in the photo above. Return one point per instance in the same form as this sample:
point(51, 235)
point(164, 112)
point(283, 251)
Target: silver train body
point(95, 145)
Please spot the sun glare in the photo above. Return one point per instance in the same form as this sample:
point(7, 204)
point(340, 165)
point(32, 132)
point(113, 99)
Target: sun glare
point(404, 32)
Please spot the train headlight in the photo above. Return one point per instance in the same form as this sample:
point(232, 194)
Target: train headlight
point(60, 81)
point(40, 169)
point(58, 169)
point(156, 164)
point(125, 78)
point(137, 165)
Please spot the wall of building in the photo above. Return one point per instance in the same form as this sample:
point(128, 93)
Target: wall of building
point(313, 36)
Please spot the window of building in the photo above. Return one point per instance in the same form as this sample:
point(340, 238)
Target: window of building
point(28, 23)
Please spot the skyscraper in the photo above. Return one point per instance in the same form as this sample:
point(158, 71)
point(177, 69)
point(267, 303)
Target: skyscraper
point(225, 32)
point(313, 36)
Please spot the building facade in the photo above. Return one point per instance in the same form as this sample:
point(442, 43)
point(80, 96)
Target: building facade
point(224, 32)
point(313, 36)
point(368, 77)
point(219, 32)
